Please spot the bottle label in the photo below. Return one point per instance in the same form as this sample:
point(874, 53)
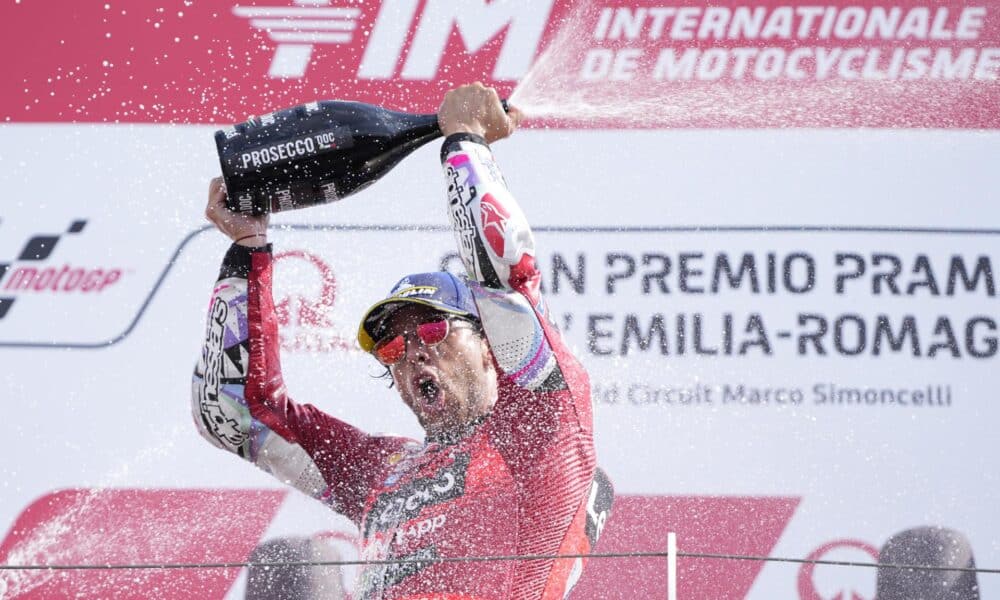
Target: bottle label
point(329, 191)
point(298, 195)
point(245, 203)
point(290, 150)
point(283, 199)
point(276, 153)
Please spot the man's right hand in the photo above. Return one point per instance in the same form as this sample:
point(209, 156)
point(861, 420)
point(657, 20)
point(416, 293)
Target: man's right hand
point(477, 109)
point(242, 229)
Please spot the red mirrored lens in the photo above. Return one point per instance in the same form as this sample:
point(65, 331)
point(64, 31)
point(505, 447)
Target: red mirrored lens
point(390, 351)
point(433, 333)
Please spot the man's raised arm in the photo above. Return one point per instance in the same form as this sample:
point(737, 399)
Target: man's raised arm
point(493, 236)
point(239, 400)
point(498, 249)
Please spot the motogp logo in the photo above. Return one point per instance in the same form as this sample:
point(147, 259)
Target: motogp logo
point(32, 272)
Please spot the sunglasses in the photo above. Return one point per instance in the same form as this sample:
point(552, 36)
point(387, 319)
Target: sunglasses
point(390, 351)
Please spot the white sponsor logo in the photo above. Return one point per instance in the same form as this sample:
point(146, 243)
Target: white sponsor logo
point(599, 518)
point(224, 428)
point(278, 152)
point(380, 546)
point(420, 497)
point(847, 38)
point(420, 528)
point(330, 192)
point(246, 203)
point(298, 28)
point(326, 140)
point(421, 290)
point(284, 199)
point(393, 508)
point(460, 197)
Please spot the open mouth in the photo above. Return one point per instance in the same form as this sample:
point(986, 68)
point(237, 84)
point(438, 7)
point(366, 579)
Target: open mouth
point(429, 390)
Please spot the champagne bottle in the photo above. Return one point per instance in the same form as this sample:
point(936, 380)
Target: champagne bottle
point(315, 153)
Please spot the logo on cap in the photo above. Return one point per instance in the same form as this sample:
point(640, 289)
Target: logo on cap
point(419, 290)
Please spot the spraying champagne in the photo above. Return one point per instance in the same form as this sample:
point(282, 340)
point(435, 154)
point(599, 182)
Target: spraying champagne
point(315, 153)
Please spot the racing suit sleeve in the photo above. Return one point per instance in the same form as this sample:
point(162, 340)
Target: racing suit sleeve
point(498, 251)
point(240, 404)
point(494, 240)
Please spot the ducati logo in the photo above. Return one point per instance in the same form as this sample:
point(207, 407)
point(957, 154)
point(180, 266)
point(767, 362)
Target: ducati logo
point(405, 39)
point(809, 587)
point(303, 306)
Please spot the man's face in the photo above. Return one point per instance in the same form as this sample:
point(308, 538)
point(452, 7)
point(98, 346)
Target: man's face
point(446, 385)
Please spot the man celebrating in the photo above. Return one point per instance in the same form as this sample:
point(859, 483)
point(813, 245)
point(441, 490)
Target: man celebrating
point(507, 467)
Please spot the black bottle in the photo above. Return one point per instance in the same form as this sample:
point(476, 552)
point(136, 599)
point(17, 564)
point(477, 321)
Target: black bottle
point(315, 153)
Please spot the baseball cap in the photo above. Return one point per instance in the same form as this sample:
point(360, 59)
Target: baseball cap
point(439, 290)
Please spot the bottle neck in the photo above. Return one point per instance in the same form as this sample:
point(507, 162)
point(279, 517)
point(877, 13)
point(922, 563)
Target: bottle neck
point(419, 126)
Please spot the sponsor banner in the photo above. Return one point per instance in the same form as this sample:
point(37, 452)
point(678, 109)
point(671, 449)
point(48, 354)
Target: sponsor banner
point(825, 386)
point(575, 63)
point(110, 526)
point(772, 64)
point(134, 527)
point(220, 61)
point(823, 296)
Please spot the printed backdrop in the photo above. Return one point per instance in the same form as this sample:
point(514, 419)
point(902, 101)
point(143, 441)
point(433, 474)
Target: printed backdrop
point(769, 230)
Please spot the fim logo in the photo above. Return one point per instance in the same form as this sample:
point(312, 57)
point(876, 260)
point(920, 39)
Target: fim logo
point(296, 29)
point(28, 273)
point(408, 36)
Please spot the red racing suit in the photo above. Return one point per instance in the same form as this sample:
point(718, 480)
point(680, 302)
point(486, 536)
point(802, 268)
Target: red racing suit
point(522, 481)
